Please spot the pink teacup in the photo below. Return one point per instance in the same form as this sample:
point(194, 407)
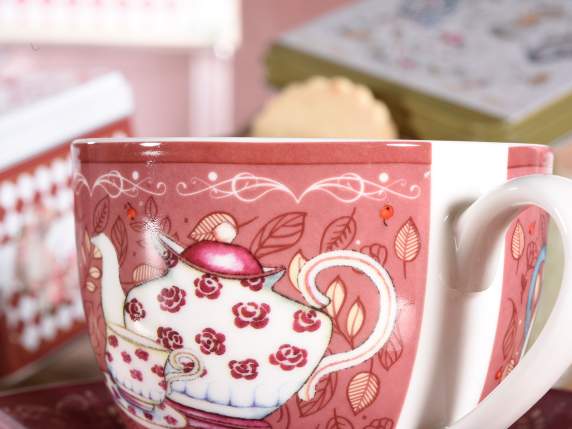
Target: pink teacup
point(303, 283)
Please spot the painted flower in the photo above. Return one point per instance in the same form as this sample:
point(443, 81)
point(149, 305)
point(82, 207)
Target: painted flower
point(251, 314)
point(112, 340)
point(211, 342)
point(254, 284)
point(136, 374)
point(188, 366)
point(170, 259)
point(247, 369)
point(126, 357)
point(148, 415)
point(169, 338)
point(172, 299)
point(208, 286)
point(142, 354)
point(306, 321)
point(159, 370)
point(289, 357)
point(135, 310)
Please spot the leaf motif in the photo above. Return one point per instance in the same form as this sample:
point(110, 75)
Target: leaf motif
point(376, 251)
point(279, 419)
point(517, 242)
point(383, 423)
point(407, 242)
point(166, 225)
point(151, 209)
point(509, 338)
point(362, 391)
point(204, 228)
point(85, 249)
point(392, 350)
point(531, 254)
point(324, 393)
point(119, 239)
point(94, 273)
point(294, 268)
point(337, 293)
point(145, 272)
point(280, 233)
point(338, 422)
point(355, 318)
point(97, 253)
point(101, 215)
point(339, 234)
point(90, 286)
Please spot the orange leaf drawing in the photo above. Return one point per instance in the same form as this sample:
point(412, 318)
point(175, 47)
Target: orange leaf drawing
point(144, 272)
point(294, 268)
point(362, 391)
point(205, 228)
point(517, 243)
point(407, 243)
point(337, 293)
point(355, 318)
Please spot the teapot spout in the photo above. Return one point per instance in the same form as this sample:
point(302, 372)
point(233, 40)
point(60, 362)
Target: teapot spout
point(112, 295)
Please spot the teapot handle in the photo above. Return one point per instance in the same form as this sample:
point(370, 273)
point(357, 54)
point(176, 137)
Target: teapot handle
point(386, 318)
point(185, 366)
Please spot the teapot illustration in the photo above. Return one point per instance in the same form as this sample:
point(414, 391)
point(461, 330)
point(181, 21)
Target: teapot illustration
point(212, 335)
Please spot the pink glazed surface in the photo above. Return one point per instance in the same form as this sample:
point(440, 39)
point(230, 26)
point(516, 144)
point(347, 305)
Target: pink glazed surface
point(312, 200)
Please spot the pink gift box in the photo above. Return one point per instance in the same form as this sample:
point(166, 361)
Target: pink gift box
point(40, 113)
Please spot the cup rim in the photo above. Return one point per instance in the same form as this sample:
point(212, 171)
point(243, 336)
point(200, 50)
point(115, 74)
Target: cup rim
point(275, 151)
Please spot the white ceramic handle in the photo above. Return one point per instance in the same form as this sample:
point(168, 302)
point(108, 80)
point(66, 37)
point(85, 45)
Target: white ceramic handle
point(478, 229)
point(385, 321)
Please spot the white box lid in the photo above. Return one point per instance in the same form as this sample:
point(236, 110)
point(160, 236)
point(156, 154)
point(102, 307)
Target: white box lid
point(41, 111)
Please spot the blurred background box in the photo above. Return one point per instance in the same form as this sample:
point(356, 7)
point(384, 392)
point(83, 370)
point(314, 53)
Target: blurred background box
point(176, 54)
point(448, 69)
point(40, 114)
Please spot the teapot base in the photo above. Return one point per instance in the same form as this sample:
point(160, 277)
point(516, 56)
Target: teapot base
point(218, 421)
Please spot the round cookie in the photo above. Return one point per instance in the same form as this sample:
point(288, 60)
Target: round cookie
point(325, 108)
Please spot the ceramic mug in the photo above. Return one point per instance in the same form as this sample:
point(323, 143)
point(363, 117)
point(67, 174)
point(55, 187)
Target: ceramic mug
point(294, 283)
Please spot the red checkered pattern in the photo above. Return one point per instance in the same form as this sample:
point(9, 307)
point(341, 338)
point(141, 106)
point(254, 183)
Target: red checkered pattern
point(24, 197)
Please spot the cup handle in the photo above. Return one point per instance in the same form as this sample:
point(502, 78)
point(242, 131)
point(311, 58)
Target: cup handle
point(386, 318)
point(186, 366)
point(478, 230)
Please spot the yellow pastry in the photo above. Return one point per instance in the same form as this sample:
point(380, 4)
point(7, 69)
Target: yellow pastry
point(325, 107)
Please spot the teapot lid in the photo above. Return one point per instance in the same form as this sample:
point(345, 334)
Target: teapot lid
point(222, 258)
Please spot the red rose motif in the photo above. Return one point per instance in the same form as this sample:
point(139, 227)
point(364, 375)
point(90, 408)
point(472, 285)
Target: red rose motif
point(126, 357)
point(251, 314)
point(159, 370)
point(169, 338)
point(142, 354)
point(163, 384)
point(148, 416)
point(211, 342)
point(172, 299)
point(254, 284)
point(208, 286)
point(188, 367)
point(247, 369)
point(112, 340)
point(135, 310)
point(171, 420)
point(170, 259)
point(289, 357)
point(131, 409)
point(136, 374)
point(306, 321)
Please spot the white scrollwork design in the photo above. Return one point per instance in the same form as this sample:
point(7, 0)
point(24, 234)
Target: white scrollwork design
point(115, 185)
point(347, 188)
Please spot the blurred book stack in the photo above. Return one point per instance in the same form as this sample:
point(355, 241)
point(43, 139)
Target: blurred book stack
point(41, 112)
point(448, 69)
